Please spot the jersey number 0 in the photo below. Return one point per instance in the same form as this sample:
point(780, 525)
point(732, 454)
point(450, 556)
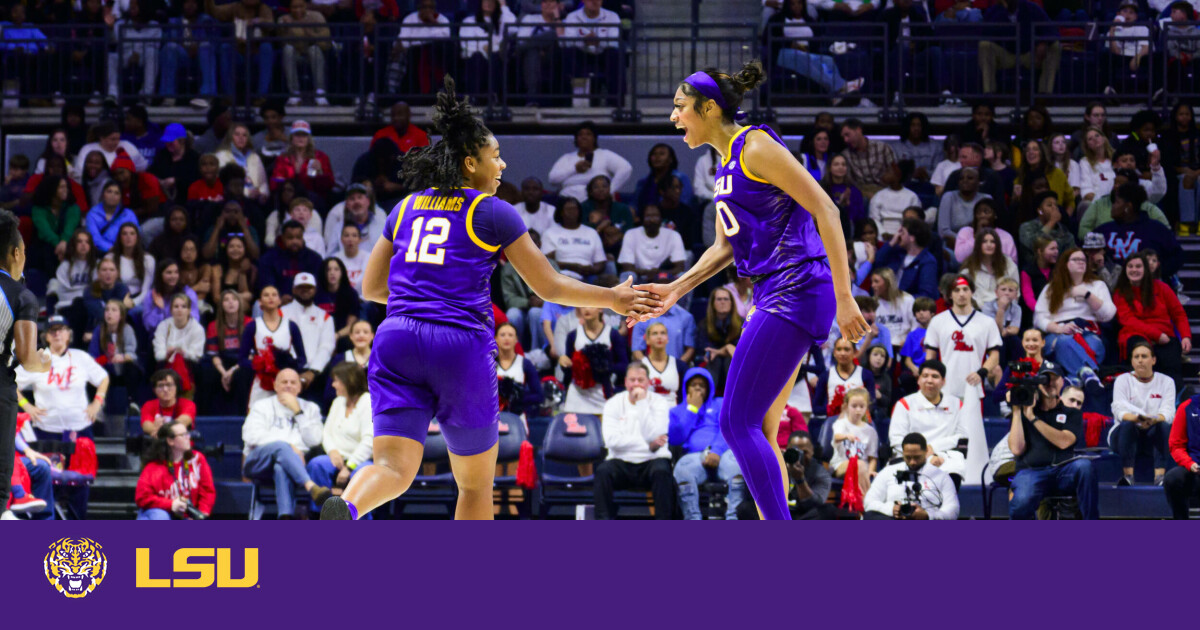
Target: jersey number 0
point(436, 232)
point(729, 222)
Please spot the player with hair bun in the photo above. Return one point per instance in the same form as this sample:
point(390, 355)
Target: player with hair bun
point(769, 211)
point(435, 351)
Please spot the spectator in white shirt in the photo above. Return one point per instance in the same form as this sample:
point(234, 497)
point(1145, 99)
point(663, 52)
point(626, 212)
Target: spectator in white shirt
point(353, 255)
point(425, 40)
point(180, 337)
point(575, 169)
point(635, 426)
point(987, 266)
point(576, 248)
point(1127, 45)
point(646, 250)
point(348, 434)
point(109, 144)
point(1143, 408)
point(360, 209)
point(60, 395)
point(942, 171)
point(888, 203)
point(932, 496)
point(538, 49)
point(853, 436)
point(278, 432)
point(537, 214)
point(895, 310)
point(1070, 308)
point(935, 415)
point(1096, 174)
point(481, 39)
point(316, 329)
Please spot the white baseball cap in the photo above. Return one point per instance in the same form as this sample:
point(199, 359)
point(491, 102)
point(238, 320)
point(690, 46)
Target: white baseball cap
point(304, 278)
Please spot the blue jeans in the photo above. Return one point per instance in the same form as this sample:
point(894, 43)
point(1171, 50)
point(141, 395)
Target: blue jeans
point(690, 473)
point(231, 60)
point(518, 318)
point(1071, 355)
point(1031, 485)
point(153, 514)
point(43, 487)
point(819, 69)
point(1189, 203)
point(323, 473)
point(279, 463)
point(175, 56)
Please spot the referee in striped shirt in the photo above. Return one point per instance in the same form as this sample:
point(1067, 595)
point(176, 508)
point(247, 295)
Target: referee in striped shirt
point(18, 327)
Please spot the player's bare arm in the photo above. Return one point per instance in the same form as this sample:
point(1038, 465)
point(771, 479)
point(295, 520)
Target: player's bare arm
point(554, 287)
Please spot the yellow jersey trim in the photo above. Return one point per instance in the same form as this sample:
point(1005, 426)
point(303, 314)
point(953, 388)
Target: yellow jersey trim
point(746, 171)
point(729, 149)
point(400, 215)
point(471, 225)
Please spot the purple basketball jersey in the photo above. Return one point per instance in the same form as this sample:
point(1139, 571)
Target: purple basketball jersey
point(775, 241)
point(445, 246)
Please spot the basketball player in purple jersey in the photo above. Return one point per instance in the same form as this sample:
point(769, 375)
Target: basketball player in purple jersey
point(435, 352)
point(781, 230)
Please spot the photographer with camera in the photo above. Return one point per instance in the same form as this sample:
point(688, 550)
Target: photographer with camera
point(936, 416)
point(176, 482)
point(1042, 437)
point(914, 489)
point(810, 480)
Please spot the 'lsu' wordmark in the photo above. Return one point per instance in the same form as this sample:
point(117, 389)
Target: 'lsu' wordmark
point(206, 573)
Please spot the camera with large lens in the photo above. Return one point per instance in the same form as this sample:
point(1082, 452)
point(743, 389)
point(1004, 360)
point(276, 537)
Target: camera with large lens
point(792, 455)
point(909, 480)
point(1023, 382)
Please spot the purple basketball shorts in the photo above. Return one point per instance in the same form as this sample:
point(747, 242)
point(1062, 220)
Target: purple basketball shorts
point(420, 370)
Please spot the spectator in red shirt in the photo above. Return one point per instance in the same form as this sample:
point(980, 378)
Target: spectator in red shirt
point(55, 165)
point(304, 162)
point(1149, 309)
point(1184, 481)
point(401, 132)
point(140, 192)
point(208, 187)
point(175, 478)
point(167, 407)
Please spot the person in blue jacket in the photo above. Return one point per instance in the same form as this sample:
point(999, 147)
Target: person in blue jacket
point(907, 255)
point(105, 219)
point(694, 427)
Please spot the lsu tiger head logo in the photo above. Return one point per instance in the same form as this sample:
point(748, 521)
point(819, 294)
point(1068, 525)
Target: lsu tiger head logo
point(75, 566)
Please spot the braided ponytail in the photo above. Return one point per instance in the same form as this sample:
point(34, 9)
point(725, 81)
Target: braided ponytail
point(440, 165)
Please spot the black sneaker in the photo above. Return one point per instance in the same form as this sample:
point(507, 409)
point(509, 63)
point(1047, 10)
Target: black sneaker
point(335, 509)
point(1126, 480)
point(320, 494)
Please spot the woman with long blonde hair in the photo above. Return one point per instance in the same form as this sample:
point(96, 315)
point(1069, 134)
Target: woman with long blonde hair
point(237, 148)
point(1095, 169)
point(719, 334)
point(895, 306)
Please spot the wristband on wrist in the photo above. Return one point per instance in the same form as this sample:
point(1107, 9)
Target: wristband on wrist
point(1087, 296)
point(982, 372)
point(351, 465)
point(21, 402)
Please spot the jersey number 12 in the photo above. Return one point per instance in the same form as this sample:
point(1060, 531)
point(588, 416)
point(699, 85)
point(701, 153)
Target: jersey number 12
point(436, 232)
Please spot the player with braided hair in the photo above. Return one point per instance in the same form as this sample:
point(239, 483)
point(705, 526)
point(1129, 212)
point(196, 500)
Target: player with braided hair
point(435, 351)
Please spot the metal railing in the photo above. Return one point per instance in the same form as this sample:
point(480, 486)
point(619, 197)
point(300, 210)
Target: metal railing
point(1094, 63)
point(373, 65)
point(816, 69)
point(941, 63)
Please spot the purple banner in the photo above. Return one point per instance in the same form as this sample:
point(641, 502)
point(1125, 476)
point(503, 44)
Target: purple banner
point(589, 574)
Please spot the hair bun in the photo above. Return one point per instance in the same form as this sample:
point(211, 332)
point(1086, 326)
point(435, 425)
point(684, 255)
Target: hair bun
point(750, 76)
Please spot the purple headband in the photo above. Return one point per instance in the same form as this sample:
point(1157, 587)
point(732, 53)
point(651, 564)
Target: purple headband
point(705, 85)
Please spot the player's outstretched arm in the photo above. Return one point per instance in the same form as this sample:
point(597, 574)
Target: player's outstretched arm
point(711, 262)
point(554, 287)
point(773, 162)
